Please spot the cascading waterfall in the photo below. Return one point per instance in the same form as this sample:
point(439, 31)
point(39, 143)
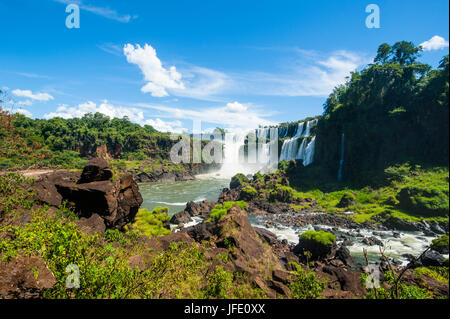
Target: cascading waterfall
point(300, 146)
point(305, 151)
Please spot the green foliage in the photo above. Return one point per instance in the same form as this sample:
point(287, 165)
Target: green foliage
point(305, 285)
point(219, 283)
point(393, 111)
point(431, 200)
point(440, 244)
point(220, 210)
point(151, 223)
point(14, 192)
point(238, 180)
point(404, 291)
point(438, 273)
point(322, 237)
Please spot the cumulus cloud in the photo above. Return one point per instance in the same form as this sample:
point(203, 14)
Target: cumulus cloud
point(166, 126)
point(235, 107)
point(105, 108)
point(25, 103)
point(435, 43)
point(159, 79)
point(34, 96)
point(248, 119)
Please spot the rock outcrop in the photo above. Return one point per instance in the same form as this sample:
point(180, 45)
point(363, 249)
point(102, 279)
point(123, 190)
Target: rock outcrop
point(93, 193)
point(24, 278)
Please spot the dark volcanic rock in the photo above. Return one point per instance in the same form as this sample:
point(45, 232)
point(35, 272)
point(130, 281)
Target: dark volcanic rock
point(266, 235)
point(343, 254)
point(25, 277)
point(348, 281)
point(116, 202)
point(97, 169)
point(91, 225)
point(318, 250)
point(346, 201)
point(432, 258)
point(181, 218)
point(163, 175)
point(203, 209)
point(372, 241)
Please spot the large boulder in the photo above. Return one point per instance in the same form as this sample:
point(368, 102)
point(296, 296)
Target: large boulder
point(432, 258)
point(181, 218)
point(116, 202)
point(266, 235)
point(319, 244)
point(348, 199)
point(97, 169)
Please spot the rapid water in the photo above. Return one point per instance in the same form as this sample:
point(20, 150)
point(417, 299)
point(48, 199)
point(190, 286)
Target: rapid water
point(175, 195)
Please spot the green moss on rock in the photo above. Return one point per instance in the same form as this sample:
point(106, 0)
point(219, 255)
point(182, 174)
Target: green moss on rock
point(425, 201)
point(238, 180)
point(319, 244)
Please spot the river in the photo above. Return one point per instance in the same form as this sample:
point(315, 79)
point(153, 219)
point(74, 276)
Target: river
point(175, 195)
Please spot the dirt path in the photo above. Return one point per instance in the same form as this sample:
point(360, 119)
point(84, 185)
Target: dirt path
point(31, 172)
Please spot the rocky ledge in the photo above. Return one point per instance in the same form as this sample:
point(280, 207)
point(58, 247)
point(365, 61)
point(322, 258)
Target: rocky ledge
point(99, 201)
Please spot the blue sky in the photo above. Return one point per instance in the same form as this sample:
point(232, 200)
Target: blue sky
point(225, 63)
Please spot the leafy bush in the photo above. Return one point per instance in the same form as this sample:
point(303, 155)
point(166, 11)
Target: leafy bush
point(426, 201)
point(151, 223)
point(221, 209)
point(305, 284)
point(14, 192)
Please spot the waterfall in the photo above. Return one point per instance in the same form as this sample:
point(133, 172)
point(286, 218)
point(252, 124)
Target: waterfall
point(290, 148)
point(233, 155)
point(300, 146)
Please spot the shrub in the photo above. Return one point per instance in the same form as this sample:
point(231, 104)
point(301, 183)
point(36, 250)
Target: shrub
point(221, 209)
point(151, 223)
point(219, 284)
point(428, 201)
point(305, 284)
point(440, 244)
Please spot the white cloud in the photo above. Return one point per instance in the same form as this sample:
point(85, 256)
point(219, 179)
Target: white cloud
point(250, 118)
point(435, 43)
point(101, 11)
point(163, 126)
point(25, 103)
point(105, 108)
point(24, 112)
point(159, 79)
point(235, 107)
point(34, 96)
point(310, 74)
